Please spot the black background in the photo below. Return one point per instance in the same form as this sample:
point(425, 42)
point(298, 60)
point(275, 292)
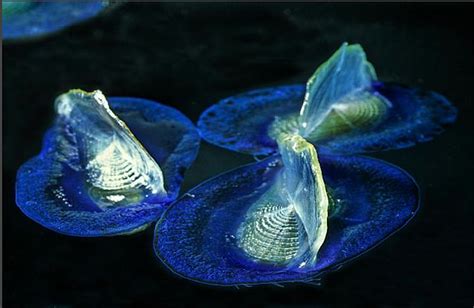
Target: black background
point(189, 56)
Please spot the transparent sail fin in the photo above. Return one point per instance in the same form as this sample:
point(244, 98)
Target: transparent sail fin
point(288, 223)
point(303, 187)
point(357, 111)
point(97, 142)
point(345, 73)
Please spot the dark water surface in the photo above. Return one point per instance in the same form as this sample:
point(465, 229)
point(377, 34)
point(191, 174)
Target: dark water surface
point(189, 56)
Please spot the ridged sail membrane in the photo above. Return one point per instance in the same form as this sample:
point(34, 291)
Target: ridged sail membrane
point(288, 223)
point(340, 92)
point(357, 111)
point(117, 167)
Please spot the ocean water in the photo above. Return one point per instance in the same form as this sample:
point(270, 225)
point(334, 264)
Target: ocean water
point(191, 55)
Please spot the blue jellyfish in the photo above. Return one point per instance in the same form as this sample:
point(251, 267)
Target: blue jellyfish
point(287, 218)
point(309, 207)
point(28, 19)
point(106, 169)
point(343, 109)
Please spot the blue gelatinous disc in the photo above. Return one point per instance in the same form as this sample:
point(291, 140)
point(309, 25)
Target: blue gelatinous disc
point(26, 19)
point(241, 123)
point(197, 236)
point(55, 195)
point(244, 122)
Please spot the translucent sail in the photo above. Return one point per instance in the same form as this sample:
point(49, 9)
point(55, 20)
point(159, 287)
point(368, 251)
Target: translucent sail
point(106, 167)
point(96, 141)
point(304, 188)
point(346, 76)
point(288, 224)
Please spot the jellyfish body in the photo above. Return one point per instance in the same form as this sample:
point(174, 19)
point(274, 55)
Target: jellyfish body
point(28, 19)
point(106, 170)
point(287, 218)
point(297, 214)
point(343, 109)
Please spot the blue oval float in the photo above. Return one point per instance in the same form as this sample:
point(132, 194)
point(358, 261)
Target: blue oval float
point(106, 171)
point(198, 236)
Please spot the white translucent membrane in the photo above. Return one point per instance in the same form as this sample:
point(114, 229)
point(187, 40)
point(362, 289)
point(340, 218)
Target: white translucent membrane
point(94, 140)
point(288, 224)
point(341, 81)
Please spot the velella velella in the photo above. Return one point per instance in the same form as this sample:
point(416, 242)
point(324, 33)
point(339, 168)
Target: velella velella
point(287, 218)
point(107, 167)
point(28, 19)
point(311, 205)
point(343, 109)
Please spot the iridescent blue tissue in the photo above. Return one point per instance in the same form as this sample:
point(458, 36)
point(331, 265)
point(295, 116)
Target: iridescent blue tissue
point(28, 19)
point(343, 109)
point(198, 236)
point(64, 188)
point(241, 123)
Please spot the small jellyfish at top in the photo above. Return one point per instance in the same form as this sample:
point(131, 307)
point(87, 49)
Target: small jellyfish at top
point(343, 109)
point(107, 167)
point(287, 218)
point(29, 19)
